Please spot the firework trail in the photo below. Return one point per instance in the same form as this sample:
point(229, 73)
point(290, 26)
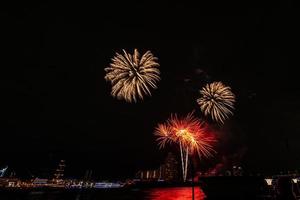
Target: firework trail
point(190, 134)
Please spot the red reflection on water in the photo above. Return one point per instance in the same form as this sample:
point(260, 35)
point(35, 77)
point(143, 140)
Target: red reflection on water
point(178, 193)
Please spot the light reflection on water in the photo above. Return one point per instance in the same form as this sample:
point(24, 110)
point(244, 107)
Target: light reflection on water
point(171, 193)
point(178, 193)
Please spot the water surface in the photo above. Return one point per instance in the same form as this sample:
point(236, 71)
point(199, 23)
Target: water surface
point(173, 193)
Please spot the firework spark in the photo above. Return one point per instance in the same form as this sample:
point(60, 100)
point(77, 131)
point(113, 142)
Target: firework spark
point(132, 76)
point(191, 136)
point(217, 101)
point(191, 132)
point(164, 135)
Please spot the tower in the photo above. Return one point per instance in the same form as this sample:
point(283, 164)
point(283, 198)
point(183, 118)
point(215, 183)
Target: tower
point(59, 172)
point(169, 170)
point(88, 175)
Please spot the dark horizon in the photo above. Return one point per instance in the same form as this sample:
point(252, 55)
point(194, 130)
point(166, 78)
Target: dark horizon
point(57, 105)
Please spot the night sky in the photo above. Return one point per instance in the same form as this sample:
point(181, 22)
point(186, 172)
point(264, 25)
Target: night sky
point(55, 103)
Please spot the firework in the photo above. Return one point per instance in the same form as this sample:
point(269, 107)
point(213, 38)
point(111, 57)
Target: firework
point(217, 101)
point(191, 133)
point(132, 76)
point(164, 135)
point(191, 136)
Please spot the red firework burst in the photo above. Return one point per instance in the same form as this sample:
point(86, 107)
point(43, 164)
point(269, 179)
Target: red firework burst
point(189, 132)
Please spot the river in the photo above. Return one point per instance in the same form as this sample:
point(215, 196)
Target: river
point(172, 193)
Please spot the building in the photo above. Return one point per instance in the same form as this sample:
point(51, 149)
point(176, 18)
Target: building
point(168, 171)
point(170, 168)
point(59, 172)
point(150, 174)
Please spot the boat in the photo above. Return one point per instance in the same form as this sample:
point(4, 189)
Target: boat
point(233, 187)
point(107, 185)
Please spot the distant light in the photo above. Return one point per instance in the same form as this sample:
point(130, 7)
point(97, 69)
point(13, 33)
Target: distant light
point(295, 180)
point(269, 181)
point(199, 71)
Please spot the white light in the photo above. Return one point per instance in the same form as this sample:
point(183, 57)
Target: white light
point(269, 181)
point(295, 180)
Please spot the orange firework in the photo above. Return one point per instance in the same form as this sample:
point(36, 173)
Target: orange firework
point(191, 136)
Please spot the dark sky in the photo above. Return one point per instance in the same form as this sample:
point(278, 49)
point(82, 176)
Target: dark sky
point(57, 105)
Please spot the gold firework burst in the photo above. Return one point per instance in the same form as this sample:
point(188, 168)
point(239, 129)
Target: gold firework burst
point(217, 101)
point(132, 76)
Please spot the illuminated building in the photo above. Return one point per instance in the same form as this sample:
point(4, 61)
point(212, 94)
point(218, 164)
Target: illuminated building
point(59, 173)
point(148, 174)
point(168, 171)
